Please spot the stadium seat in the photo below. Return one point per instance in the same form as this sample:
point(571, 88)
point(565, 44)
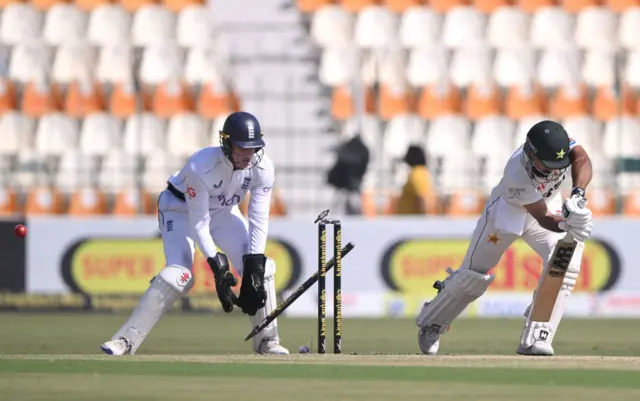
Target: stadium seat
point(45, 5)
point(311, 6)
point(115, 64)
point(493, 135)
point(90, 5)
point(602, 201)
point(427, 66)
point(621, 137)
point(444, 6)
point(620, 6)
point(607, 104)
point(628, 28)
point(402, 131)
point(342, 102)
point(598, 68)
point(490, 6)
point(118, 170)
point(16, 131)
point(158, 167)
point(83, 97)
point(420, 28)
point(332, 26)
point(29, 62)
point(446, 130)
point(152, 25)
point(469, 65)
point(76, 170)
point(482, 100)
point(64, 24)
point(375, 28)
point(586, 131)
point(134, 5)
point(123, 102)
point(186, 133)
point(399, 6)
point(551, 27)
point(43, 200)
point(109, 25)
point(596, 29)
point(569, 100)
point(439, 99)
point(338, 66)
point(178, 6)
point(56, 133)
point(632, 70)
point(459, 179)
point(514, 67)
point(631, 203)
point(7, 96)
point(465, 202)
point(171, 98)
point(9, 204)
point(524, 100)
point(144, 134)
point(194, 27)
point(31, 169)
point(71, 61)
point(523, 125)
point(100, 133)
point(463, 26)
point(214, 101)
point(20, 23)
point(204, 65)
point(87, 201)
point(131, 202)
point(159, 63)
point(356, 5)
point(394, 99)
point(508, 28)
point(557, 66)
point(39, 98)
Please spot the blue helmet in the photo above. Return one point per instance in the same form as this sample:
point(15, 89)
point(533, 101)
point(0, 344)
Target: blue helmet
point(241, 129)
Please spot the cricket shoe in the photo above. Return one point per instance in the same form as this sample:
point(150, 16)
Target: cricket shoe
point(429, 340)
point(117, 347)
point(271, 346)
point(539, 348)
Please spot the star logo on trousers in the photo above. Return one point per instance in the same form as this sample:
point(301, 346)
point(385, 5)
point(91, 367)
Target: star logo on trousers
point(493, 238)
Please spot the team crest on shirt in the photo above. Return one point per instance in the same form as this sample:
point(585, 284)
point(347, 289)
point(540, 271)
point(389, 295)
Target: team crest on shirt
point(246, 183)
point(493, 238)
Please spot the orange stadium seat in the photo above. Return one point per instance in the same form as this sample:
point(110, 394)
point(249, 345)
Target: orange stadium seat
point(87, 202)
point(631, 205)
point(575, 6)
point(369, 202)
point(434, 102)
point(465, 202)
point(123, 102)
point(357, 5)
point(126, 202)
point(178, 5)
point(88, 5)
point(309, 6)
point(44, 4)
point(394, 101)
point(7, 96)
point(618, 6)
point(171, 98)
point(44, 200)
point(523, 102)
point(8, 202)
point(531, 6)
point(489, 6)
point(342, 103)
point(606, 106)
point(4, 3)
point(39, 99)
point(566, 102)
point(482, 102)
point(213, 103)
point(399, 6)
point(83, 99)
point(134, 5)
point(443, 6)
point(602, 201)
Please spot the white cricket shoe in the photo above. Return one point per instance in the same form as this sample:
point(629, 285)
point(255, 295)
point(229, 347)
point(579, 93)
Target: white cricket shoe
point(271, 346)
point(120, 346)
point(429, 340)
point(539, 348)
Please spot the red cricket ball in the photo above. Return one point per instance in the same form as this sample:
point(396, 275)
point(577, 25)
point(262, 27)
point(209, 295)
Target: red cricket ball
point(20, 231)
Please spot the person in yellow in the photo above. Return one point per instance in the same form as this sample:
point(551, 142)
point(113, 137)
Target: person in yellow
point(418, 194)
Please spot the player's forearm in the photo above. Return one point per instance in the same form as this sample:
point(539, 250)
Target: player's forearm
point(203, 238)
point(550, 222)
point(581, 169)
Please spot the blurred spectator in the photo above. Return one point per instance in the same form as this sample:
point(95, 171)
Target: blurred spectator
point(347, 173)
point(418, 194)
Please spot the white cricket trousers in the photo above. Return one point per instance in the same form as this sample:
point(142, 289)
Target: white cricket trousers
point(488, 245)
point(229, 230)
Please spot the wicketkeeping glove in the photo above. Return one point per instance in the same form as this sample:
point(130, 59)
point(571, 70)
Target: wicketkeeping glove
point(225, 280)
point(252, 293)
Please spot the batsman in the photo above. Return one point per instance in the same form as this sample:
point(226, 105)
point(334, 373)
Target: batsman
point(526, 204)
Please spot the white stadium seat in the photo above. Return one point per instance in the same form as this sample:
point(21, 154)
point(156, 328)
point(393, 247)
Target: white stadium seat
point(64, 23)
point(493, 136)
point(204, 66)
point(144, 134)
point(598, 68)
point(118, 171)
point(375, 27)
point(115, 64)
point(30, 62)
point(109, 25)
point(420, 27)
point(331, 25)
point(76, 170)
point(469, 65)
point(446, 130)
point(160, 62)
point(632, 69)
point(522, 128)
point(622, 137)
point(16, 131)
point(401, 132)
point(31, 169)
point(596, 29)
point(186, 133)
point(460, 171)
point(20, 23)
point(514, 67)
point(100, 133)
point(628, 28)
point(463, 26)
point(338, 66)
point(427, 66)
point(551, 27)
point(586, 131)
point(71, 61)
point(391, 67)
point(159, 166)
point(557, 66)
point(152, 25)
point(508, 28)
point(194, 26)
point(56, 133)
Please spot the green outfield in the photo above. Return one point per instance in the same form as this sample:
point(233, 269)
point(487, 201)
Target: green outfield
point(203, 357)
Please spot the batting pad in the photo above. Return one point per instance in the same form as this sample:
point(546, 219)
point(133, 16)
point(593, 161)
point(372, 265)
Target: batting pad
point(172, 282)
point(460, 289)
point(271, 331)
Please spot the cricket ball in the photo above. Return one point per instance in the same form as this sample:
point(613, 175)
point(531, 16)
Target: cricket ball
point(304, 349)
point(20, 231)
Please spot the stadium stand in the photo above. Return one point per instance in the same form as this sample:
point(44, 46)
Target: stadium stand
point(98, 99)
